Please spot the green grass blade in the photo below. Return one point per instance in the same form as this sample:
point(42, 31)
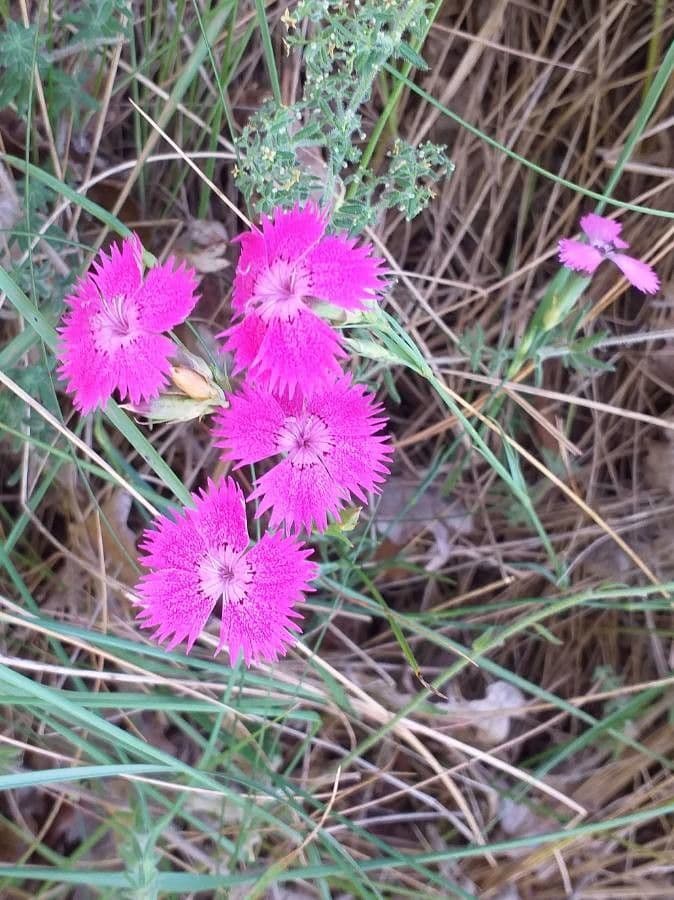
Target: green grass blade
point(268, 50)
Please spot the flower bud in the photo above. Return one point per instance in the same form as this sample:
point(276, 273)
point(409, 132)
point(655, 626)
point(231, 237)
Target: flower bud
point(193, 384)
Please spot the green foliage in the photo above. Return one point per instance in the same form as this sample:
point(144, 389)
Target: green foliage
point(94, 22)
point(473, 343)
point(576, 352)
point(64, 92)
point(421, 166)
point(268, 163)
point(18, 49)
point(138, 851)
point(288, 153)
point(15, 414)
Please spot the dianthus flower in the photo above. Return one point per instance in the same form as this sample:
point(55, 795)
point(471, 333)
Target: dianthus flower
point(605, 243)
point(283, 269)
point(201, 559)
point(328, 444)
point(111, 337)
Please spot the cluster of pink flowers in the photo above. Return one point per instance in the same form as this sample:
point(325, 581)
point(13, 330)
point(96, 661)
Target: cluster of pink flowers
point(296, 406)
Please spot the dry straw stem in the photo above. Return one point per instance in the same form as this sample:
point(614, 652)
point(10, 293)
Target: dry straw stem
point(474, 411)
point(410, 731)
point(195, 168)
point(76, 441)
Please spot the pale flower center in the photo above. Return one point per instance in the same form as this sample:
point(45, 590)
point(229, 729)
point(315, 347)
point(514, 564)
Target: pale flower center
point(116, 324)
point(281, 290)
point(306, 439)
point(225, 574)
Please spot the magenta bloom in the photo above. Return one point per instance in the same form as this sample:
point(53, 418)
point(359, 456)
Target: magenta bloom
point(605, 242)
point(283, 269)
point(111, 337)
point(328, 444)
point(202, 559)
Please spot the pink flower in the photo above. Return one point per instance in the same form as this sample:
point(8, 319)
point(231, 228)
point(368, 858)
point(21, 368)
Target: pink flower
point(283, 269)
point(202, 559)
point(328, 444)
point(605, 240)
point(111, 337)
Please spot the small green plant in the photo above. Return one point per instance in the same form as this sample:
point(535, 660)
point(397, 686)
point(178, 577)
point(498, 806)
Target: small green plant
point(51, 50)
point(314, 146)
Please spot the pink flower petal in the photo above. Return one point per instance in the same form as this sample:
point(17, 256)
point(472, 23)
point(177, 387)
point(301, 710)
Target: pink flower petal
point(288, 236)
point(343, 273)
point(579, 256)
point(601, 229)
point(137, 368)
point(217, 516)
point(360, 458)
point(141, 367)
point(88, 377)
point(110, 338)
point(293, 232)
point(248, 429)
point(244, 340)
point(173, 605)
point(297, 354)
point(299, 496)
point(167, 296)
point(638, 273)
point(220, 514)
point(263, 627)
point(121, 272)
point(170, 596)
point(252, 261)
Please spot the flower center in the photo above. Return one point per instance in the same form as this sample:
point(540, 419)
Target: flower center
point(306, 439)
point(225, 573)
point(281, 290)
point(116, 324)
point(604, 247)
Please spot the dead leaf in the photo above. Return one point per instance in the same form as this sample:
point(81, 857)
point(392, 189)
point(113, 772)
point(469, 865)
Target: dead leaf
point(209, 260)
point(206, 232)
point(659, 462)
point(489, 715)
point(402, 517)
point(500, 696)
point(204, 245)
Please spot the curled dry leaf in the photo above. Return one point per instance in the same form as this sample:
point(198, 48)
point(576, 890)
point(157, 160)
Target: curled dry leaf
point(489, 715)
point(203, 246)
point(206, 232)
point(518, 819)
point(659, 461)
point(208, 260)
point(401, 517)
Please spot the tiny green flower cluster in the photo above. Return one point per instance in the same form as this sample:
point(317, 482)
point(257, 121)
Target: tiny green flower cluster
point(313, 148)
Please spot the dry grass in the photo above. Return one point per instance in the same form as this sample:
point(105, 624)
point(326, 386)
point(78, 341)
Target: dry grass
point(589, 737)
